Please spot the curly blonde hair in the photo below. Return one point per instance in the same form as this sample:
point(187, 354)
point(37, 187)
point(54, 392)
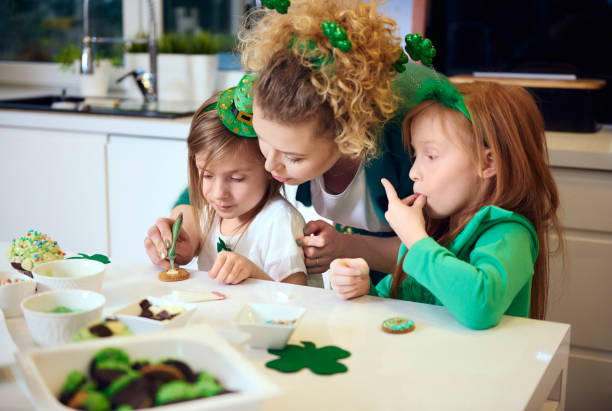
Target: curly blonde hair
point(349, 93)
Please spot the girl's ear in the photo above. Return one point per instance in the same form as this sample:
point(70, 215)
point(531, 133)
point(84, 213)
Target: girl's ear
point(489, 168)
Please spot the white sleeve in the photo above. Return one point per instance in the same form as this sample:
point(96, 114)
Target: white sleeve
point(283, 256)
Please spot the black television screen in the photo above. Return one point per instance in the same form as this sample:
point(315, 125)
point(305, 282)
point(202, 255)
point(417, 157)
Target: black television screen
point(526, 36)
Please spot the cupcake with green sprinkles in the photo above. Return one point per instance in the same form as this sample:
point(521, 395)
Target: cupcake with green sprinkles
point(32, 249)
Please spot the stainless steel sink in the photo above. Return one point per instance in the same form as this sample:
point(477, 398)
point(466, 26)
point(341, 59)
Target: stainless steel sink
point(104, 106)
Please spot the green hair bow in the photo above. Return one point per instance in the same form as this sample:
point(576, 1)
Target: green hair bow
point(443, 92)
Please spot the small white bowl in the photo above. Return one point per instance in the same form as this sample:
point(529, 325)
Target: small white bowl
point(78, 274)
point(49, 328)
point(270, 325)
point(12, 294)
point(130, 316)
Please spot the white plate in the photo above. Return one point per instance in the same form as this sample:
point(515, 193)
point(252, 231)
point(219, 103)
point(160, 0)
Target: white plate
point(129, 315)
point(6, 342)
point(43, 370)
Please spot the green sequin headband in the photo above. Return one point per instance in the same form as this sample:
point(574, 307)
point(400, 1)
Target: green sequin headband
point(235, 107)
point(443, 92)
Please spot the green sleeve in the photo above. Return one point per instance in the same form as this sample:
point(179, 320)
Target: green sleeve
point(183, 198)
point(382, 289)
point(478, 291)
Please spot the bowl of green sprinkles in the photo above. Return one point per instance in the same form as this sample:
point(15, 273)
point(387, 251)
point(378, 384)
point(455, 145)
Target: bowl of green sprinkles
point(53, 317)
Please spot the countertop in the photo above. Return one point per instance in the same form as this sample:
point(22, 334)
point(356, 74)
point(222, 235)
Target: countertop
point(570, 150)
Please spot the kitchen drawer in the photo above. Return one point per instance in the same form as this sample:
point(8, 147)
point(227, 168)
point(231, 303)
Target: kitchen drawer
point(586, 199)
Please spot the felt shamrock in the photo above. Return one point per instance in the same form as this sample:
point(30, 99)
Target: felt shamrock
point(419, 48)
point(336, 33)
point(222, 246)
point(279, 5)
point(322, 361)
point(400, 63)
point(96, 257)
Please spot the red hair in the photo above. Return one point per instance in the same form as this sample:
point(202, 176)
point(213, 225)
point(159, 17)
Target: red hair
point(506, 120)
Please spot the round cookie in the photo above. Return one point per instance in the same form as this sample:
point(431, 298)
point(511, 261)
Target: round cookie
point(179, 274)
point(397, 325)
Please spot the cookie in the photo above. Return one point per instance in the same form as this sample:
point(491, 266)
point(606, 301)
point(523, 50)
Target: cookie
point(179, 274)
point(397, 325)
point(162, 372)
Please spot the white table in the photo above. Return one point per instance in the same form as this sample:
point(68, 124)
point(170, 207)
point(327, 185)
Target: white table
point(441, 365)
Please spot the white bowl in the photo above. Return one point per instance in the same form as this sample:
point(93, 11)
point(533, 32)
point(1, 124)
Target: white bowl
point(78, 274)
point(12, 294)
point(130, 316)
point(49, 328)
point(270, 325)
point(43, 371)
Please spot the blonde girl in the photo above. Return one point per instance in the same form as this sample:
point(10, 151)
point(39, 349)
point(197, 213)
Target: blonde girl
point(328, 104)
point(475, 233)
point(238, 225)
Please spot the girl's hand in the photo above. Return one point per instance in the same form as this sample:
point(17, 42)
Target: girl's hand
point(160, 235)
point(232, 268)
point(321, 244)
point(405, 216)
point(350, 277)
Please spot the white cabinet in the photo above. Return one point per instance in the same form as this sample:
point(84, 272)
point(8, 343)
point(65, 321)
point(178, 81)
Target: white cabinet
point(145, 177)
point(580, 285)
point(54, 182)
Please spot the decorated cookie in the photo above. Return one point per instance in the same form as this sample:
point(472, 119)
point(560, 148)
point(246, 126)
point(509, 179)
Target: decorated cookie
point(397, 325)
point(32, 249)
point(178, 274)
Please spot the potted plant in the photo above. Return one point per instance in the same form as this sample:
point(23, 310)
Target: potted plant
point(186, 64)
point(95, 84)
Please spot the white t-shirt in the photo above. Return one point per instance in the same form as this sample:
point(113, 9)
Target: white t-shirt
point(269, 241)
point(353, 207)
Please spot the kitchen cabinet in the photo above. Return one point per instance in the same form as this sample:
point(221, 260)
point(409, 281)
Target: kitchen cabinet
point(54, 182)
point(581, 284)
point(145, 177)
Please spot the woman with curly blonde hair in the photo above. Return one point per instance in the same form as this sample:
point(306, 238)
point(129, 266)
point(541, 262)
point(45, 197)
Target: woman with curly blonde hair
point(327, 109)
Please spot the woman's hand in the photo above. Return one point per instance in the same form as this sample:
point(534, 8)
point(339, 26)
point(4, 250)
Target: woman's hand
point(233, 268)
point(321, 244)
point(159, 238)
point(405, 216)
point(350, 277)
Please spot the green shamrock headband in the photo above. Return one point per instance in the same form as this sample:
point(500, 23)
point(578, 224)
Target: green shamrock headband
point(443, 92)
point(235, 107)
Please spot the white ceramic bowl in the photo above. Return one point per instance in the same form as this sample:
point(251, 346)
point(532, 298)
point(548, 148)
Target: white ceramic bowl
point(270, 325)
point(49, 328)
point(79, 274)
point(12, 294)
point(130, 316)
point(43, 371)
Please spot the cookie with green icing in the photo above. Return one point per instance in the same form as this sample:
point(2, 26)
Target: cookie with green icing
point(31, 249)
point(397, 325)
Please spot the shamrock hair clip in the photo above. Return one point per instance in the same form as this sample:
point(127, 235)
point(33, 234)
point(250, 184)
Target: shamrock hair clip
point(420, 48)
point(280, 6)
point(336, 33)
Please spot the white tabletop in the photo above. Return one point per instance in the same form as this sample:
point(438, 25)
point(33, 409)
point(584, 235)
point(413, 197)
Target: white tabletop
point(440, 365)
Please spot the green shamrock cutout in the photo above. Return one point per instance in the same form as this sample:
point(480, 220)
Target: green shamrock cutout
point(222, 246)
point(280, 6)
point(323, 361)
point(96, 257)
point(419, 48)
point(400, 63)
point(336, 33)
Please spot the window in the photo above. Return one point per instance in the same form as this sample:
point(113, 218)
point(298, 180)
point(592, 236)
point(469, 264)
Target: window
point(36, 30)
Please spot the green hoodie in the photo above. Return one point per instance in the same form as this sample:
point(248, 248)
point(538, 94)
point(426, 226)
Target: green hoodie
point(484, 273)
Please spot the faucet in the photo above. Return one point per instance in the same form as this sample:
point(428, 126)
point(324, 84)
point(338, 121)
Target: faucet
point(150, 92)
